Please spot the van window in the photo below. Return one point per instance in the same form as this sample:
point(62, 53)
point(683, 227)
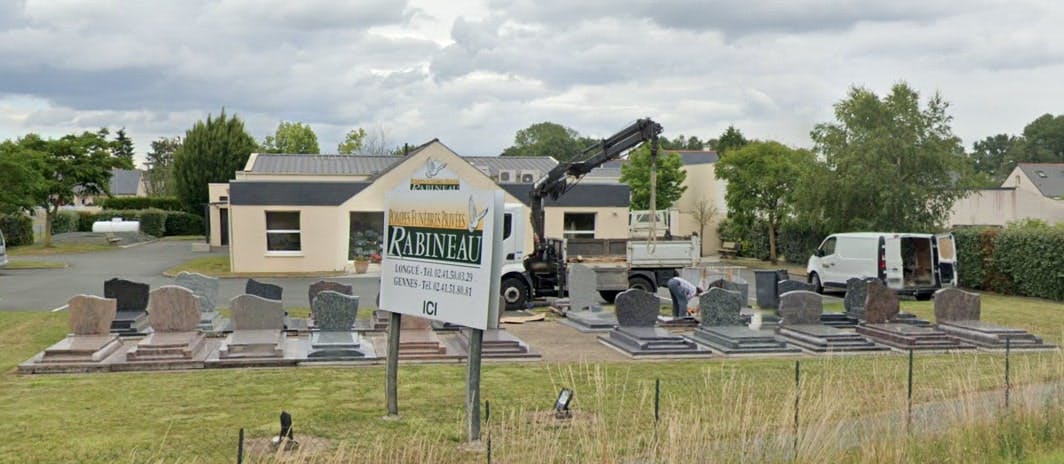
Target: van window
point(945, 248)
point(507, 226)
point(828, 247)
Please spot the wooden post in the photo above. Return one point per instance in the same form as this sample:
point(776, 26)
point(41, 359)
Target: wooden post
point(391, 372)
point(240, 448)
point(476, 341)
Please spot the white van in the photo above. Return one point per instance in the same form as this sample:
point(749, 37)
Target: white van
point(911, 264)
point(3, 250)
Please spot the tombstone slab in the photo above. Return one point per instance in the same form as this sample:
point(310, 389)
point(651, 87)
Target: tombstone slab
point(498, 344)
point(90, 340)
point(590, 321)
point(800, 307)
point(174, 313)
point(790, 285)
point(335, 314)
point(637, 308)
point(824, 339)
point(723, 328)
point(636, 334)
point(264, 290)
point(741, 287)
point(953, 304)
point(909, 337)
point(856, 294)
point(583, 287)
point(131, 317)
point(720, 307)
point(323, 285)
point(206, 289)
point(957, 313)
point(881, 303)
point(257, 329)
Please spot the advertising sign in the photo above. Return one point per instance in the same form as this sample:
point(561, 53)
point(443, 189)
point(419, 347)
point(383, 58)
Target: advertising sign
point(442, 248)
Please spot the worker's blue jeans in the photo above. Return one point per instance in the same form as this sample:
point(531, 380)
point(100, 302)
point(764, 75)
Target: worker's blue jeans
point(679, 298)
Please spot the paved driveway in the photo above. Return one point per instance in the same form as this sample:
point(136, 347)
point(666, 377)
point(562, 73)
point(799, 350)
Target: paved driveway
point(47, 289)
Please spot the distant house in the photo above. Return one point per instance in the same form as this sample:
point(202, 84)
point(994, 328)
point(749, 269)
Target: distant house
point(1031, 191)
point(124, 183)
point(317, 203)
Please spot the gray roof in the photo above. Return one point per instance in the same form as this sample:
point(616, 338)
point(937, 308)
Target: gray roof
point(124, 181)
point(1048, 177)
point(579, 195)
point(292, 193)
point(612, 169)
point(358, 165)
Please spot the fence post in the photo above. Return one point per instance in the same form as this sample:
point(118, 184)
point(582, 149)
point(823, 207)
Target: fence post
point(487, 423)
point(1008, 348)
point(240, 448)
point(909, 411)
point(797, 396)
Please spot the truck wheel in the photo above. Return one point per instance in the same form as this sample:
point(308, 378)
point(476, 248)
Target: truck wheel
point(643, 284)
point(514, 293)
point(609, 295)
point(814, 279)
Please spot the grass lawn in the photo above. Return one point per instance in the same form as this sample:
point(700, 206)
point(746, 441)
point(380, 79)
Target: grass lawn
point(217, 266)
point(182, 238)
point(38, 249)
point(34, 264)
point(194, 416)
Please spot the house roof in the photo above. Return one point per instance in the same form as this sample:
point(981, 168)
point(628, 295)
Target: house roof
point(314, 193)
point(579, 195)
point(1047, 177)
point(612, 169)
point(376, 166)
point(125, 181)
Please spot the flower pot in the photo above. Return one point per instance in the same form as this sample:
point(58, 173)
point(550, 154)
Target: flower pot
point(361, 267)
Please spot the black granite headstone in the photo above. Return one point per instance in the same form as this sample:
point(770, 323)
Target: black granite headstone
point(263, 290)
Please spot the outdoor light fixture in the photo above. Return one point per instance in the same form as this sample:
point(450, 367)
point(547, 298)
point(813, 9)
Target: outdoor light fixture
point(561, 406)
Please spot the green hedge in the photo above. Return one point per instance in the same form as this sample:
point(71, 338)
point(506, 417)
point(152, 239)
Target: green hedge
point(969, 257)
point(153, 222)
point(163, 203)
point(181, 223)
point(1032, 260)
point(17, 228)
point(65, 221)
point(798, 241)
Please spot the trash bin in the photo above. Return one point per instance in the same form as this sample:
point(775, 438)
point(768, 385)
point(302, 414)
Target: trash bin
point(765, 284)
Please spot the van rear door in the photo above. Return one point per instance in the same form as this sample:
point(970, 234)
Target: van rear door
point(947, 260)
point(888, 261)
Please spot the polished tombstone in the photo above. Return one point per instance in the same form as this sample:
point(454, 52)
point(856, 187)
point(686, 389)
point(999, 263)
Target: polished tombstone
point(498, 344)
point(206, 290)
point(856, 293)
point(957, 313)
point(724, 330)
point(327, 285)
point(263, 290)
point(334, 317)
point(790, 285)
point(881, 324)
point(131, 318)
point(257, 329)
point(418, 341)
point(765, 283)
point(175, 315)
point(800, 312)
point(90, 339)
point(583, 287)
point(742, 287)
point(636, 333)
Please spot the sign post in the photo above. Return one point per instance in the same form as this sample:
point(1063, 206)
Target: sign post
point(441, 260)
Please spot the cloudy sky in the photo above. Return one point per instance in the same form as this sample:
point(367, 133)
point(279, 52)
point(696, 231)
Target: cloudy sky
point(473, 72)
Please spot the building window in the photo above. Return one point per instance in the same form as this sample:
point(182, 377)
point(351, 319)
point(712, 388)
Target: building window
point(579, 225)
point(282, 231)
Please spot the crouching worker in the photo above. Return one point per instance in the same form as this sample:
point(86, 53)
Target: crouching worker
point(682, 291)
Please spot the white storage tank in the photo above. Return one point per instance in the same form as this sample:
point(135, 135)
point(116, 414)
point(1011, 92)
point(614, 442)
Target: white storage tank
point(116, 225)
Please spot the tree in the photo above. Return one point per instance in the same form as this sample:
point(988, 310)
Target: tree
point(212, 152)
point(890, 164)
point(548, 139)
point(681, 143)
point(123, 145)
point(20, 174)
point(669, 182)
point(292, 137)
point(83, 162)
point(160, 166)
point(989, 155)
point(731, 139)
point(704, 213)
point(352, 142)
point(762, 177)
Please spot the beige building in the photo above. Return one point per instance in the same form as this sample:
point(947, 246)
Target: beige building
point(1031, 191)
point(310, 213)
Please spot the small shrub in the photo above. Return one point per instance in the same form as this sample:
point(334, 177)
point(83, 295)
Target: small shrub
point(17, 228)
point(181, 223)
point(65, 221)
point(1031, 258)
point(85, 220)
point(970, 259)
point(153, 222)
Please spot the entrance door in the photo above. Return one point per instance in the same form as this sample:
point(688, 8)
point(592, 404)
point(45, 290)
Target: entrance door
point(223, 215)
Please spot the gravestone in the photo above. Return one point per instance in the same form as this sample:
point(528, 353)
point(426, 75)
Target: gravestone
point(720, 307)
point(257, 329)
point(741, 287)
point(856, 294)
point(881, 303)
point(583, 287)
point(881, 310)
point(723, 329)
point(800, 310)
point(264, 290)
point(417, 340)
point(636, 334)
point(175, 315)
point(334, 316)
point(206, 290)
point(957, 313)
point(790, 285)
point(90, 340)
point(323, 285)
point(131, 317)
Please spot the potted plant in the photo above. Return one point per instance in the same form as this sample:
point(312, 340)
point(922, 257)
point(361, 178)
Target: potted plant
point(365, 245)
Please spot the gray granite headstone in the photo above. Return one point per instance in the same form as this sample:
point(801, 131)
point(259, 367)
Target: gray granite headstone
point(334, 311)
point(131, 296)
point(742, 287)
point(583, 287)
point(720, 307)
point(323, 285)
point(251, 312)
point(205, 288)
point(173, 309)
point(262, 289)
point(91, 315)
point(800, 307)
point(856, 293)
point(637, 308)
point(790, 285)
point(881, 304)
point(952, 304)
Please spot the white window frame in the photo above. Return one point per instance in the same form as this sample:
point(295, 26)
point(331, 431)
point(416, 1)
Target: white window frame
point(579, 233)
point(269, 231)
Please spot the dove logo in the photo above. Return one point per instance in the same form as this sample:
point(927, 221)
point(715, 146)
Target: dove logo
point(475, 216)
point(433, 167)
